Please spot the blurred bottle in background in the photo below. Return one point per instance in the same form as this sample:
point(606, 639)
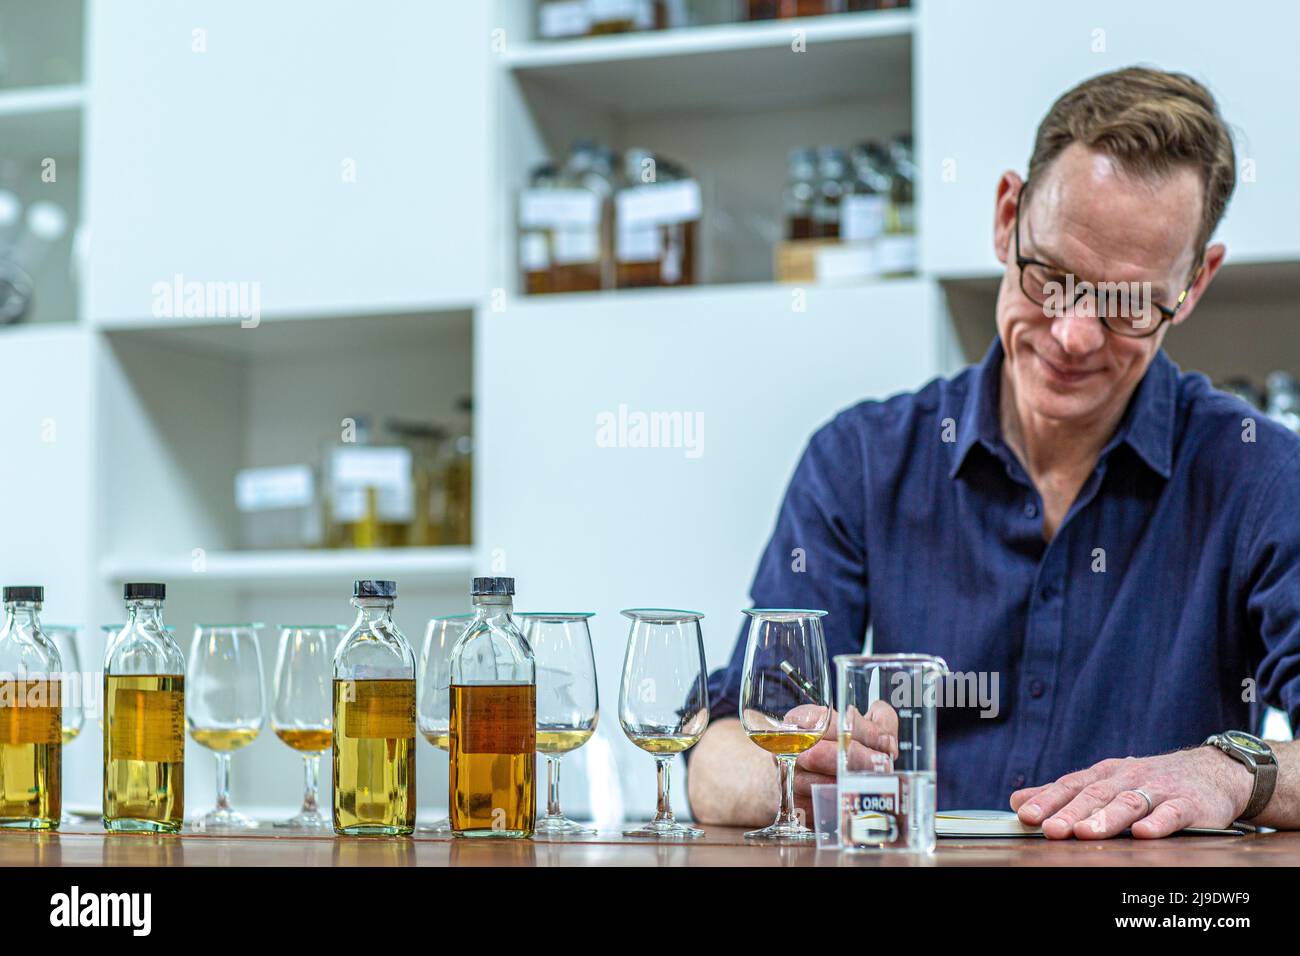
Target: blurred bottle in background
point(800, 191)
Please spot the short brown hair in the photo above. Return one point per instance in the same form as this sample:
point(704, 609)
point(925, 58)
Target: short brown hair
point(1151, 122)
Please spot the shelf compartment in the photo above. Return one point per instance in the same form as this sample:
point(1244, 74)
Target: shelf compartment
point(726, 67)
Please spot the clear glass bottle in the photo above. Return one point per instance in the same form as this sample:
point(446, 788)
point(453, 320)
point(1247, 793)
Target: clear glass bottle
point(31, 716)
point(582, 253)
point(144, 719)
point(832, 184)
point(535, 239)
point(492, 735)
point(800, 190)
point(374, 720)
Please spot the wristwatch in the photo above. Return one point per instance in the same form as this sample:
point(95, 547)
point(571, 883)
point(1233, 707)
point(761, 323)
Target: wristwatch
point(1259, 760)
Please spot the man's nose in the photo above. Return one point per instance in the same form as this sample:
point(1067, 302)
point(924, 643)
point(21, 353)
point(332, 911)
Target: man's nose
point(1078, 331)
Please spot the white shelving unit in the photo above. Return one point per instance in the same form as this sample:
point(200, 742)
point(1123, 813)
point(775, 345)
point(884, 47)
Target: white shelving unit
point(396, 293)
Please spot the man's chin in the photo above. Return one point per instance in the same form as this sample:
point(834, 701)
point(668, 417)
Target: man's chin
point(1063, 405)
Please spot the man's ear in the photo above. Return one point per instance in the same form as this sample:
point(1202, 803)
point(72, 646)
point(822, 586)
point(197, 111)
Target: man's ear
point(1004, 215)
point(1209, 266)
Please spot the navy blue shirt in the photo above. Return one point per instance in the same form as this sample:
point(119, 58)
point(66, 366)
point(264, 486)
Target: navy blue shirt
point(1165, 608)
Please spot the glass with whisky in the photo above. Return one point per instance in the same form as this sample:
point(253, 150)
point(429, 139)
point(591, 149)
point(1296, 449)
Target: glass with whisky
point(144, 719)
point(226, 705)
point(663, 702)
point(374, 720)
point(433, 711)
point(31, 725)
point(302, 715)
point(568, 703)
point(785, 701)
point(492, 731)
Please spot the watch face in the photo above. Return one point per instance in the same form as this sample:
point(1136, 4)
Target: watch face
point(1246, 742)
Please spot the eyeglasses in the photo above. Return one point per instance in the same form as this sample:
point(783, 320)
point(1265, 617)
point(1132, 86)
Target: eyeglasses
point(1124, 308)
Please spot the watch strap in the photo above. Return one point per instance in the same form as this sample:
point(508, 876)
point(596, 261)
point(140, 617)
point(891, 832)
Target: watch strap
point(1265, 782)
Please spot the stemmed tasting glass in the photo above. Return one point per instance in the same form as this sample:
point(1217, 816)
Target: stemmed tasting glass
point(64, 638)
point(303, 712)
point(663, 702)
point(433, 712)
point(784, 701)
point(567, 702)
point(225, 704)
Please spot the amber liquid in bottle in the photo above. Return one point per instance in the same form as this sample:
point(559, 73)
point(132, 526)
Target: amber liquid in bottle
point(374, 756)
point(144, 752)
point(493, 737)
point(31, 754)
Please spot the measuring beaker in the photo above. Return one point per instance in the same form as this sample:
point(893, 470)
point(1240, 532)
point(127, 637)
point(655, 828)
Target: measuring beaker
point(886, 795)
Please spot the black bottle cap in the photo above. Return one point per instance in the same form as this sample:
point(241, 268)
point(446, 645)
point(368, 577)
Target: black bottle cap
point(136, 591)
point(24, 593)
point(493, 586)
point(374, 589)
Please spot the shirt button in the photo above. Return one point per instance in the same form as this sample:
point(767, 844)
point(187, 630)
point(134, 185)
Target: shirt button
point(1036, 688)
point(1031, 510)
point(1018, 781)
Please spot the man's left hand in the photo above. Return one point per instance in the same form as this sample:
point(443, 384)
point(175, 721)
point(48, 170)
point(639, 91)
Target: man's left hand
point(1201, 787)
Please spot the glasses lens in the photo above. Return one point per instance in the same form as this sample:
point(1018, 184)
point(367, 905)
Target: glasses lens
point(1040, 284)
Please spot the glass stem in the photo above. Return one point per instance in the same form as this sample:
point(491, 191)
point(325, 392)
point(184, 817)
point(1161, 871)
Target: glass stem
point(223, 781)
point(787, 815)
point(664, 812)
point(553, 786)
point(311, 782)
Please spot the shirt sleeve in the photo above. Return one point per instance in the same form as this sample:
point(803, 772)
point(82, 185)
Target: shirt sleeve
point(816, 556)
point(1273, 598)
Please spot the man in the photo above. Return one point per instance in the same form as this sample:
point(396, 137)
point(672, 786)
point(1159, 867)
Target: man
point(1115, 540)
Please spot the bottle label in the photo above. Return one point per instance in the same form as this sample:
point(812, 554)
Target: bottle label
point(862, 218)
point(658, 204)
point(567, 18)
point(494, 718)
point(148, 725)
point(576, 246)
point(553, 208)
point(638, 243)
point(30, 712)
point(534, 253)
point(379, 709)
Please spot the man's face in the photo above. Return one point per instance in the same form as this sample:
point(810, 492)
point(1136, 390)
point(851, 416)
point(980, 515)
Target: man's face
point(1088, 217)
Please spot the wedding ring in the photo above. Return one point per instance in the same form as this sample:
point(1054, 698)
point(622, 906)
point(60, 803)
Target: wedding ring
point(1145, 796)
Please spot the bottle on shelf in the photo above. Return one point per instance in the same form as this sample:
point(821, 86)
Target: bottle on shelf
point(657, 211)
point(581, 228)
point(427, 444)
point(369, 491)
point(1283, 399)
point(562, 19)
point(536, 238)
point(832, 184)
point(144, 719)
point(31, 716)
point(493, 729)
point(458, 476)
point(897, 251)
point(374, 720)
point(800, 191)
point(865, 209)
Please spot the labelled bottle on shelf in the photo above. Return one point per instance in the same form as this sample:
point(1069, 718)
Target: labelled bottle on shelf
point(374, 720)
point(492, 734)
point(458, 476)
point(580, 220)
point(800, 193)
point(31, 716)
point(897, 250)
point(536, 232)
point(680, 206)
point(865, 208)
point(144, 719)
point(562, 19)
point(657, 212)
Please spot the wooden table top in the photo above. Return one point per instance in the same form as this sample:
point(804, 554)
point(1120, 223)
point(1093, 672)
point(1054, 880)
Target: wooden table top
point(88, 845)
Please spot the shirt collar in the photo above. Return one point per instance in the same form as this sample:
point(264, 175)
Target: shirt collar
point(1147, 426)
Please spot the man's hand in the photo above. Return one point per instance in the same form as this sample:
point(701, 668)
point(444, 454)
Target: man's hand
point(1201, 787)
point(875, 737)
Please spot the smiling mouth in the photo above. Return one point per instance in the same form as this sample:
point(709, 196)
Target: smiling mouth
point(1066, 376)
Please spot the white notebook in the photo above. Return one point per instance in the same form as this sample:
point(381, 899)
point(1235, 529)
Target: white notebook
point(969, 824)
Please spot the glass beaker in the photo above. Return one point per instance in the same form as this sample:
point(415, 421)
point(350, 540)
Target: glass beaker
point(887, 797)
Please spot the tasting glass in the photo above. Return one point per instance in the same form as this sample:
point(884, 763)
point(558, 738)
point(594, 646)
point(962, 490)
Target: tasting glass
point(663, 701)
point(433, 711)
point(784, 701)
point(303, 712)
point(567, 702)
point(225, 704)
point(64, 639)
